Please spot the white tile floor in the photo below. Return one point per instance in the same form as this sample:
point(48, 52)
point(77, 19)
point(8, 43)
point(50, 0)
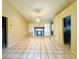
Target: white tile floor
point(37, 48)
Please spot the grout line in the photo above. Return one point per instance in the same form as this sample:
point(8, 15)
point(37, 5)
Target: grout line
point(31, 44)
point(11, 50)
point(59, 53)
point(40, 50)
point(35, 50)
point(53, 53)
point(30, 48)
point(46, 49)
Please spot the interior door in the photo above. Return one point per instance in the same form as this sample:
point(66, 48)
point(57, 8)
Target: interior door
point(67, 30)
point(4, 32)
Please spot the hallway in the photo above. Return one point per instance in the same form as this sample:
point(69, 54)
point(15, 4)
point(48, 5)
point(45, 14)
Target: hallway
point(37, 48)
point(39, 29)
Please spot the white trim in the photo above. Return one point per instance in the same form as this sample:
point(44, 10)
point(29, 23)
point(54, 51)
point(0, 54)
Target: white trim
point(73, 52)
point(10, 45)
point(21, 37)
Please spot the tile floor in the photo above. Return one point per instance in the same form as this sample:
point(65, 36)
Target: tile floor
point(37, 48)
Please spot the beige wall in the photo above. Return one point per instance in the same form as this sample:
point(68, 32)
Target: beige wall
point(19, 25)
point(58, 25)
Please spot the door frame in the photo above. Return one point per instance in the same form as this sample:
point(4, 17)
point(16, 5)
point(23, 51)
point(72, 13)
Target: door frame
point(38, 28)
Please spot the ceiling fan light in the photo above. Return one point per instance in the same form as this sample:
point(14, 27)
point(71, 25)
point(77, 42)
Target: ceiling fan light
point(37, 20)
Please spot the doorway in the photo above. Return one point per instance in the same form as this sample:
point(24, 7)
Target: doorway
point(52, 28)
point(67, 30)
point(4, 32)
point(39, 31)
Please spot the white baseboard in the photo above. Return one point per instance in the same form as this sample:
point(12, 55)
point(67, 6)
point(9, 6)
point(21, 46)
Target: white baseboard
point(73, 52)
point(10, 45)
point(18, 40)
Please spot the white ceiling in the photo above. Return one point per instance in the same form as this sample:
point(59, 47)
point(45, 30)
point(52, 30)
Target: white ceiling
point(45, 9)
